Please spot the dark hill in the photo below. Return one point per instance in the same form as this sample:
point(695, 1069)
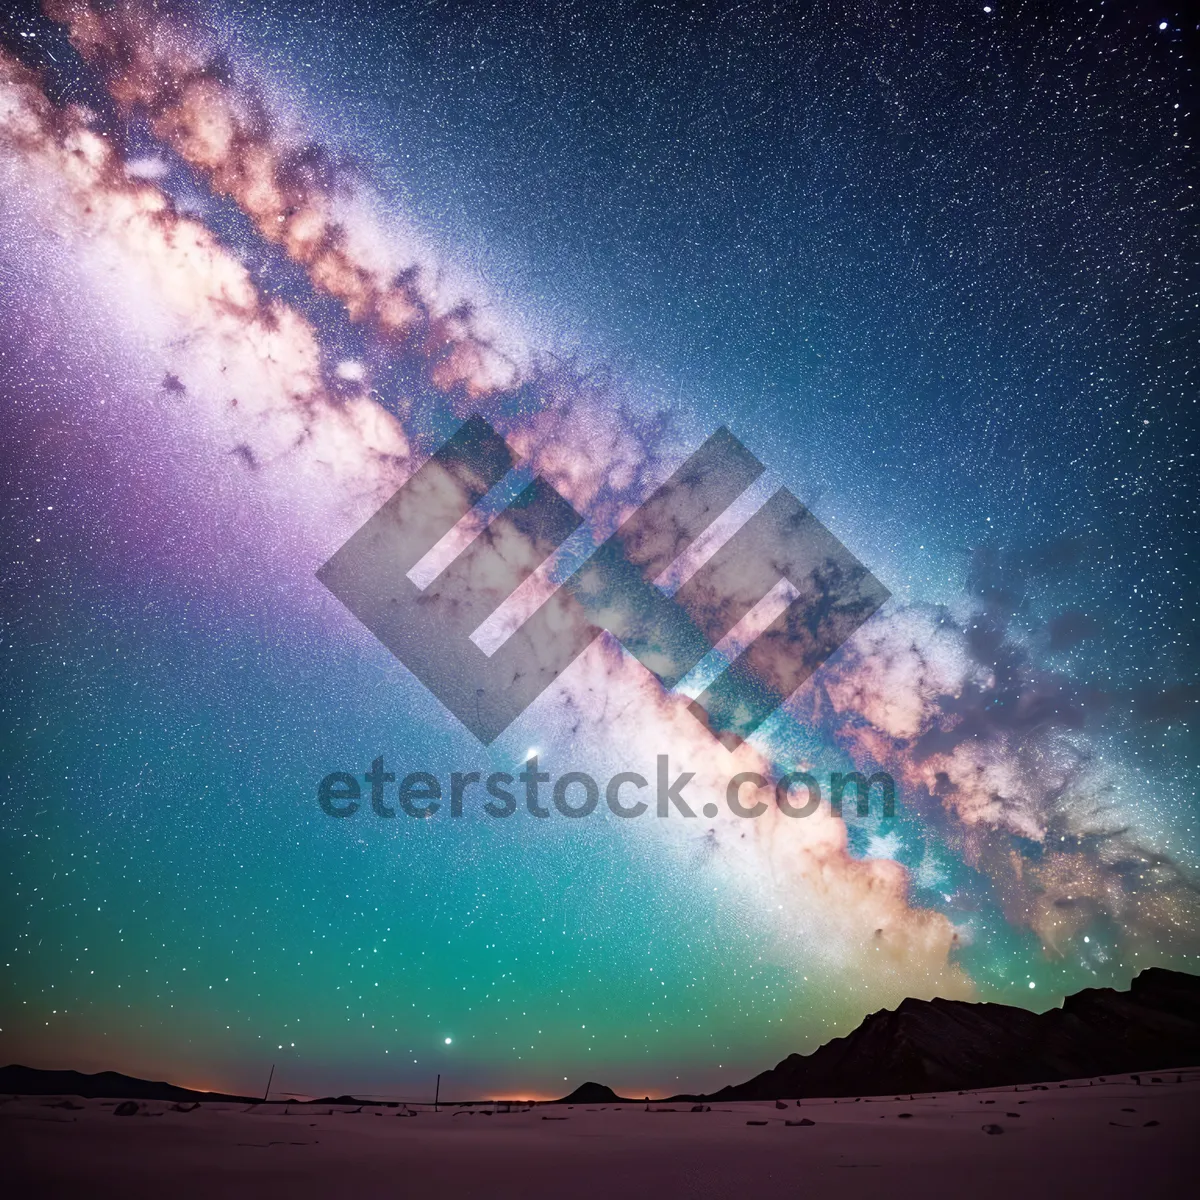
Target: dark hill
point(593, 1093)
point(29, 1081)
point(952, 1045)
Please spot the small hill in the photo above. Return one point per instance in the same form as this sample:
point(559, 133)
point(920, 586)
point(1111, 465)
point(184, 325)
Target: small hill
point(593, 1093)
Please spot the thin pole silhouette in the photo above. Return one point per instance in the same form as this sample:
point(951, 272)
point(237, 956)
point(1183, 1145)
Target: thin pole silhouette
point(437, 1091)
point(269, 1078)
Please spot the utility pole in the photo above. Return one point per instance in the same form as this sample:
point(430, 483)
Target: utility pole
point(269, 1078)
point(437, 1091)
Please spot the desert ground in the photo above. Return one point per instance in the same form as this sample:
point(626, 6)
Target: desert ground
point(1093, 1139)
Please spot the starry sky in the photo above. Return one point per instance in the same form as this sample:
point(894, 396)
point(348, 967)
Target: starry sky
point(935, 265)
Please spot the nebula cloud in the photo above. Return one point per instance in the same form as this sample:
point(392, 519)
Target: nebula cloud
point(158, 65)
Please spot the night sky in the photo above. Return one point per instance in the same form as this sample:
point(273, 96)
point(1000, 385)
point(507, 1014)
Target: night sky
point(935, 265)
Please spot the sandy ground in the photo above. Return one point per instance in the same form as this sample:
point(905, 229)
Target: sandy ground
point(1089, 1139)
